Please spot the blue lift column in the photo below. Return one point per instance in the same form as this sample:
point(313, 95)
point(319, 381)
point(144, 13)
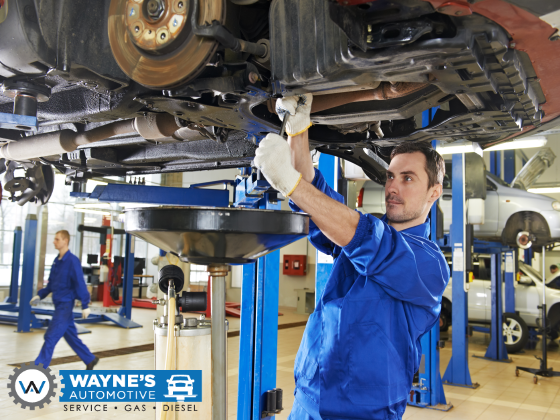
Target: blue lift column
point(509, 279)
point(258, 336)
point(430, 393)
point(16, 257)
point(497, 348)
point(457, 372)
point(128, 278)
point(328, 165)
point(26, 293)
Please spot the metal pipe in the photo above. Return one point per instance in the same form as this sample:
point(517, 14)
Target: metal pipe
point(219, 343)
point(152, 126)
point(170, 357)
point(543, 310)
point(104, 132)
point(384, 91)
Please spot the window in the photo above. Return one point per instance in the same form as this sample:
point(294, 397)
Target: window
point(198, 275)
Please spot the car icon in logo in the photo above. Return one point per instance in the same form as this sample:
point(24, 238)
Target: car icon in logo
point(180, 387)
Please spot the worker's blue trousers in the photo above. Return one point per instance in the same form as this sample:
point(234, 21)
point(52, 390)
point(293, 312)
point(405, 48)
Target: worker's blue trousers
point(62, 325)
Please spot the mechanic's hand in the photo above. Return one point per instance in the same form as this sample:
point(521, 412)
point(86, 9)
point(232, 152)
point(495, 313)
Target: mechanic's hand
point(34, 300)
point(274, 158)
point(85, 313)
point(299, 108)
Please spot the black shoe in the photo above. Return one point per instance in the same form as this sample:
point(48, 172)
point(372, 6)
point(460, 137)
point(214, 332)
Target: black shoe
point(92, 364)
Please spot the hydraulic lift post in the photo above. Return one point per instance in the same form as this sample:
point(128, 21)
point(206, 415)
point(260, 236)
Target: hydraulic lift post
point(457, 372)
point(429, 393)
point(16, 257)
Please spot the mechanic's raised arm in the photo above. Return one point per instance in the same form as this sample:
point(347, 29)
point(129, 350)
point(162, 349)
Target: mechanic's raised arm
point(289, 168)
point(336, 221)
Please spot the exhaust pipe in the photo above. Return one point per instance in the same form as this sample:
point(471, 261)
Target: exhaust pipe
point(153, 126)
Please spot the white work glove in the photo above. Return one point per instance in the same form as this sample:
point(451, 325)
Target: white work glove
point(85, 313)
point(34, 300)
point(274, 158)
point(299, 108)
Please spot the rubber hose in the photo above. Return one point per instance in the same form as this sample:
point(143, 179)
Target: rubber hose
point(170, 352)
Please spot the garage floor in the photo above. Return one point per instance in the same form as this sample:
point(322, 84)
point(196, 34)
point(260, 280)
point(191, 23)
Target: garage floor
point(500, 396)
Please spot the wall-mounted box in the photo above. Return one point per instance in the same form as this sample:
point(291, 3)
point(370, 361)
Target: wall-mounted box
point(294, 265)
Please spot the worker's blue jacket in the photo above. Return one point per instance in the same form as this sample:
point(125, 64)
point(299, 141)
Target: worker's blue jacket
point(66, 281)
point(361, 346)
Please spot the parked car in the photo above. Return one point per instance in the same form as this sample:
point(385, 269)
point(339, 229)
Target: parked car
point(135, 87)
point(508, 210)
point(528, 296)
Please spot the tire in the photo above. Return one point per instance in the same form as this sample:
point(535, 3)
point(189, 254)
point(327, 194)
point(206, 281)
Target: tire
point(515, 332)
point(445, 319)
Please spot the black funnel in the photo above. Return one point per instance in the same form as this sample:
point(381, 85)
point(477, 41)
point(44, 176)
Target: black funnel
point(216, 235)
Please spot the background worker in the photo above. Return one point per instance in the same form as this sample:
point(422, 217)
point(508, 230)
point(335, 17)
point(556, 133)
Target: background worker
point(66, 283)
point(554, 270)
point(361, 346)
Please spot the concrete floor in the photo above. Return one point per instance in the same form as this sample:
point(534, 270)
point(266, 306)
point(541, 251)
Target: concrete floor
point(501, 395)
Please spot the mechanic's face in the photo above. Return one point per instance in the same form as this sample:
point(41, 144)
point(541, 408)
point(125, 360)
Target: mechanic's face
point(59, 242)
point(407, 196)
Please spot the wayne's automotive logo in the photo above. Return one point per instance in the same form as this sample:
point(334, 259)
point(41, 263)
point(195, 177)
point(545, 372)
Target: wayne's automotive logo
point(131, 386)
point(32, 386)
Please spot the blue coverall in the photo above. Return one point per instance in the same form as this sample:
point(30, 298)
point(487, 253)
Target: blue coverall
point(361, 346)
point(66, 282)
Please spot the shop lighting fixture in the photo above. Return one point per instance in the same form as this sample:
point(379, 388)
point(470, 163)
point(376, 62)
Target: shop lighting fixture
point(526, 143)
point(92, 205)
point(91, 211)
point(454, 148)
point(544, 190)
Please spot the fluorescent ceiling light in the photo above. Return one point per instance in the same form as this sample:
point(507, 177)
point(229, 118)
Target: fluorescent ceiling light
point(454, 148)
point(92, 205)
point(137, 205)
point(526, 143)
point(549, 190)
point(91, 211)
point(90, 219)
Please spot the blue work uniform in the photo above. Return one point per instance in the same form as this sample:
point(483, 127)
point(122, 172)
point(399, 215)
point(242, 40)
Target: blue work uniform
point(361, 346)
point(66, 283)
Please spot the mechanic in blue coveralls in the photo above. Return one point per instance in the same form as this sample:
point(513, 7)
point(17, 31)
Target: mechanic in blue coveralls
point(361, 346)
point(66, 283)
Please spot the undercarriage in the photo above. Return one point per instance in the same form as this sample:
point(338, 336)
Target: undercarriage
point(138, 87)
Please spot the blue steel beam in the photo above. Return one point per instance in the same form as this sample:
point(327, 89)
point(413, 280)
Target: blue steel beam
point(457, 372)
point(509, 165)
point(16, 256)
point(128, 278)
point(497, 348)
point(266, 331)
point(26, 292)
point(509, 280)
point(246, 343)
point(496, 163)
point(18, 122)
point(171, 196)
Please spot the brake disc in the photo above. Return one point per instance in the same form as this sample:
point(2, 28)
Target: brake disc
point(153, 43)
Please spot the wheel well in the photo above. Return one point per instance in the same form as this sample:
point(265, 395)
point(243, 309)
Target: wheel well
point(529, 221)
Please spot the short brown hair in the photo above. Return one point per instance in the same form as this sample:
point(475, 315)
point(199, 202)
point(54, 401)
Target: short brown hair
point(64, 234)
point(435, 165)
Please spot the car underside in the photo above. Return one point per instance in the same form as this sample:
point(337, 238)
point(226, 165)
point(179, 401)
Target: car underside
point(133, 87)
